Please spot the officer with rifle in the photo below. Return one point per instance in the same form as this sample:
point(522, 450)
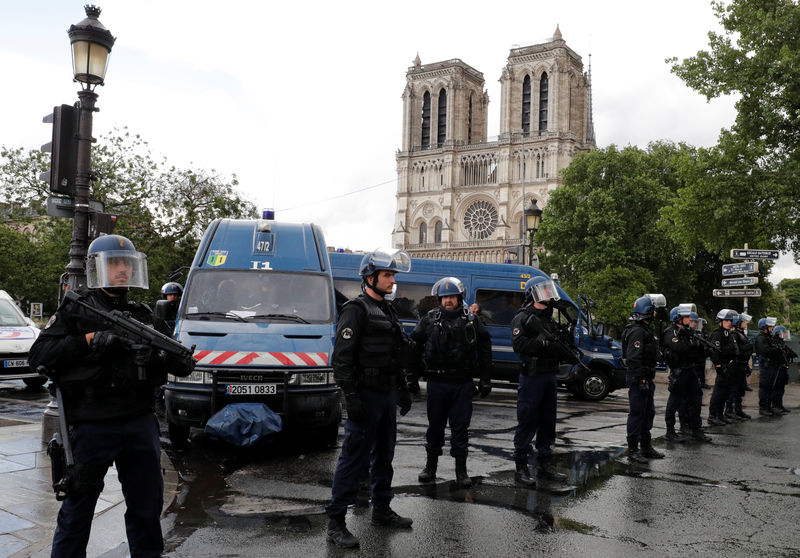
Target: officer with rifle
point(781, 335)
point(733, 406)
point(723, 354)
point(535, 338)
point(105, 360)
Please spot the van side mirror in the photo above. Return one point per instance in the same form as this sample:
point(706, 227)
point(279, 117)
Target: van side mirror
point(599, 329)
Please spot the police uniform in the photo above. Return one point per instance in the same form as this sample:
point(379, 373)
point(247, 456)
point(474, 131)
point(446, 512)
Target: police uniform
point(770, 361)
point(733, 407)
point(787, 356)
point(455, 347)
point(685, 394)
point(723, 357)
point(108, 403)
point(641, 353)
point(536, 394)
point(368, 340)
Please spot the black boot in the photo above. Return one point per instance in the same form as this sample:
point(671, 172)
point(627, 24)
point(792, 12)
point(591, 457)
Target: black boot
point(523, 474)
point(728, 414)
point(462, 478)
point(699, 436)
point(672, 436)
point(339, 535)
point(780, 410)
point(387, 517)
point(633, 453)
point(649, 451)
point(715, 420)
point(546, 470)
point(428, 474)
point(737, 409)
point(765, 412)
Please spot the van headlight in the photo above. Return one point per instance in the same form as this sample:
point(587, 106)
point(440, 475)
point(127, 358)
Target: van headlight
point(311, 379)
point(196, 377)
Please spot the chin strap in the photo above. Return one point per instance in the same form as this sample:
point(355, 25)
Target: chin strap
point(374, 285)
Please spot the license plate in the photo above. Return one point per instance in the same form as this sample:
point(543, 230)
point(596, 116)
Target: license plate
point(19, 363)
point(251, 389)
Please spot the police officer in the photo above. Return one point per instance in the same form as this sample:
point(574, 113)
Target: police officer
point(641, 353)
point(685, 395)
point(107, 403)
point(723, 357)
point(781, 335)
point(733, 406)
point(454, 347)
point(697, 365)
point(166, 310)
point(532, 337)
point(697, 323)
point(770, 359)
point(369, 342)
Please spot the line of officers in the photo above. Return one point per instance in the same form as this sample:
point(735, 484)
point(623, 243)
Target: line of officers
point(684, 348)
point(377, 367)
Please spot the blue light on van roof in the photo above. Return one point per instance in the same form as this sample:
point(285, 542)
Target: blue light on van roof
point(268, 214)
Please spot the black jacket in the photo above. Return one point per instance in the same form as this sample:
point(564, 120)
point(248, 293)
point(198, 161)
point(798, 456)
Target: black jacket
point(640, 350)
point(537, 355)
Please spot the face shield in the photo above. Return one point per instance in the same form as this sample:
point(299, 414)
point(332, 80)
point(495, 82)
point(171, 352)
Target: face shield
point(116, 269)
point(771, 321)
point(544, 291)
point(658, 300)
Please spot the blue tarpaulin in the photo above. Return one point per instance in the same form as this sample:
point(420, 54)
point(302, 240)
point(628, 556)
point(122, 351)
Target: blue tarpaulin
point(244, 424)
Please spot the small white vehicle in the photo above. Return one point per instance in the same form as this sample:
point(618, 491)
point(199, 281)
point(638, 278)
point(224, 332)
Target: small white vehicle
point(17, 334)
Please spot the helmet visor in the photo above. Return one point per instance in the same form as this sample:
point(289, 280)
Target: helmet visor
point(686, 309)
point(544, 291)
point(658, 300)
point(771, 321)
point(116, 268)
point(398, 261)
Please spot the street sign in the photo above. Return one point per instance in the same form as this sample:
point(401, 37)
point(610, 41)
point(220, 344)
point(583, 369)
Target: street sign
point(741, 268)
point(740, 281)
point(737, 292)
point(65, 207)
point(746, 254)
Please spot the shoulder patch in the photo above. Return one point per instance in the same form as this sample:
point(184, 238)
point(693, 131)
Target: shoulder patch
point(51, 321)
point(637, 344)
point(674, 339)
point(347, 333)
point(716, 343)
point(516, 331)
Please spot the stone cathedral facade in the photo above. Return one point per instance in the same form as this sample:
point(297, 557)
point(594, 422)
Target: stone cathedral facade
point(459, 195)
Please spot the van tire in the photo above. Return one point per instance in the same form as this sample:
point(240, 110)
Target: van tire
point(594, 385)
point(178, 435)
point(35, 382)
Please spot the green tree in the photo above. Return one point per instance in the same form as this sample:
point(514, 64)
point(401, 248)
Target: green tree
point(163, 209)
point(753, 175)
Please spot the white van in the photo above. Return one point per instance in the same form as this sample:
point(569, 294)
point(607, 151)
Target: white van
point(17, 334)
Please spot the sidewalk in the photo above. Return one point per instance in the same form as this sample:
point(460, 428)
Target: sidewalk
point(28, 507)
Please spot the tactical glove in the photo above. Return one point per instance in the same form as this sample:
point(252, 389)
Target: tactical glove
point(356, 411)
point(106, 339)
point(404, 401)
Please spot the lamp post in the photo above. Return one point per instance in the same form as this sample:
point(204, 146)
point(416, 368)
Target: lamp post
point(533, 215)
point(91, 44)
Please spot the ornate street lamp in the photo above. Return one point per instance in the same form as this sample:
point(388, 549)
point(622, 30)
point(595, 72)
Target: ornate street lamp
point(533, 215)
point(91, 44)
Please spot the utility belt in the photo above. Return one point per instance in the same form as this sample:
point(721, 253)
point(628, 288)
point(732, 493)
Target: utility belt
point(454, 375)
point(380, 379)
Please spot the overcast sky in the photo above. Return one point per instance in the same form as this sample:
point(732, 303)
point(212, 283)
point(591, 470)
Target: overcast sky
point(302, 100)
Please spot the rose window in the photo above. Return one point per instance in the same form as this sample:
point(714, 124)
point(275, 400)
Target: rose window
point(480, 220)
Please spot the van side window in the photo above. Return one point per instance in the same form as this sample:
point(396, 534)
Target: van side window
point(498, 308)
point(413, 301)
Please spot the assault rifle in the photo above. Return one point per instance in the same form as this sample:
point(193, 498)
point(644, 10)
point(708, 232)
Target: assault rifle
point(565, 350)
point(135, 332)
point(703, 341)
point(59, 450)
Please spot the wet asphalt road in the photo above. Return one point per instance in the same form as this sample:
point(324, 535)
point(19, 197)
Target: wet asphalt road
point(739, 496)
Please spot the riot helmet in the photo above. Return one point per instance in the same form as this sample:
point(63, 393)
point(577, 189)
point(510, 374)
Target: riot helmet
point(171, 288)
point(540, 289)
point(769, 321)
point(742, 319)
point(726, 314)
point(782, 333)
point(376, 261)
point(112, 262)
point(644, 307)
point(682, 311)
point(449, 286)
point(698, 321)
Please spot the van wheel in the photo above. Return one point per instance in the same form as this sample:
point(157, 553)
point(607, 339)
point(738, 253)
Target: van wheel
point(594, 385)
point(35, 382)
point(178, 435)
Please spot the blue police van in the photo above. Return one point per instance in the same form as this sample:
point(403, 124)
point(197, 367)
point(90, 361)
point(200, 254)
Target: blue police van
point(258, 308)
point(499, 291)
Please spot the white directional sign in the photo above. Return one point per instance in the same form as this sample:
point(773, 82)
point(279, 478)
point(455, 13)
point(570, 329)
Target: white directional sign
point(737, 292)
point(747, 254)
point(740, 281)
point(741, 268)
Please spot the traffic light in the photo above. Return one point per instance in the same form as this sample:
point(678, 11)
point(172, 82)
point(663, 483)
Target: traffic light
point(63, 150)
point(101, 223)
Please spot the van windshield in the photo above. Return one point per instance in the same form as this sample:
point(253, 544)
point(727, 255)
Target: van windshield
point(245, 295)
point(9, 315)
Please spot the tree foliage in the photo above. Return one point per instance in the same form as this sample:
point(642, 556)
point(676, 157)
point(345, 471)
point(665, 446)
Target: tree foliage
point(756, 176)
point(163, 209)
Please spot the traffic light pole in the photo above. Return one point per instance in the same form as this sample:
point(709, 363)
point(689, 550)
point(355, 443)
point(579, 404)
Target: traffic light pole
point(76, 270)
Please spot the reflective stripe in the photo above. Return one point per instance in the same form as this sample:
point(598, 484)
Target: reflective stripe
point(254, 358)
